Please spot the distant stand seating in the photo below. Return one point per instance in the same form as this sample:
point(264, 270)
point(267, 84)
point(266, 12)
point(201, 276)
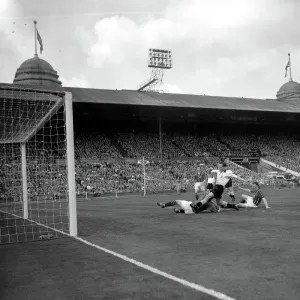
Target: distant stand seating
point(94, 146)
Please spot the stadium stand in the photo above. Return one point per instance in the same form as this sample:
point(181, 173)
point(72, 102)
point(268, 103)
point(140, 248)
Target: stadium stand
point(120, 176)
point(102, 170)
point(94, 146)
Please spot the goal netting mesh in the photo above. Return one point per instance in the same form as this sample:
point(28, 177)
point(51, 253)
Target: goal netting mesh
point(33, 165)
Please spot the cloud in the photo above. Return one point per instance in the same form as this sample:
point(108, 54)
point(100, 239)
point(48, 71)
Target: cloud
point(211, 42)
point(171, 88)
point(195, 23)
point(75, 82)
point(229, 48)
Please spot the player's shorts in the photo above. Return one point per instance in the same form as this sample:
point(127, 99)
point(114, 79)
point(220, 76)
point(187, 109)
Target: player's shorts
point(249, 202)
point(218, 191)
point(185, 205)
point(228, 184)
point(199, 187)
point(209, 186)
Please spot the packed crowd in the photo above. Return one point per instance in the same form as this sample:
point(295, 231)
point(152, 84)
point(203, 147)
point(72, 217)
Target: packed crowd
point(47, 177)
point(94, 146)
point(281, 149)
point(285, 152)
point(197, 145)
point(148, 145)
point(120, 177)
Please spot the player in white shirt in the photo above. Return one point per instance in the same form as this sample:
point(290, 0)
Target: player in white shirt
point(228, 186)
point(211, 180)
point(222, 179)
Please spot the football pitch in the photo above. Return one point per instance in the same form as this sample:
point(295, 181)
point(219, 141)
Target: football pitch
point(246, 254)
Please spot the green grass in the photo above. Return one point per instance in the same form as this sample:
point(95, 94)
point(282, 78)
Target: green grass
point(249, 254)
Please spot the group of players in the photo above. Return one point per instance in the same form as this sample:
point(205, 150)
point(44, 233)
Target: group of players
point(209, 189)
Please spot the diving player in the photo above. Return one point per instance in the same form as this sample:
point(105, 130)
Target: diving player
point(184, 206)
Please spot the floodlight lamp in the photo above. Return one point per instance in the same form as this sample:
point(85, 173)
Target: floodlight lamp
point(159, 58)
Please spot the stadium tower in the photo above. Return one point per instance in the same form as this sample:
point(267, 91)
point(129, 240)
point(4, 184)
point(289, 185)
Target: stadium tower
point(36, 71)
point(290, 91)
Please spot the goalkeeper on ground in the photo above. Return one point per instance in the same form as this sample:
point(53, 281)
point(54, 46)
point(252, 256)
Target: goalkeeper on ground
point(185, 207)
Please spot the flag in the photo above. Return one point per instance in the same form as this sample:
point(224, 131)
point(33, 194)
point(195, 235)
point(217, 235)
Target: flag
point(40, 41)
point(286, 68)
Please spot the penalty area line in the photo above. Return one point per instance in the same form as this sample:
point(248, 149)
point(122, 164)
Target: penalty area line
point(148, 268)
point(183, 282)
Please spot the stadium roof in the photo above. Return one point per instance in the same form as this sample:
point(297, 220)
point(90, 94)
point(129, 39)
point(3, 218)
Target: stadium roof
point(179, 100)
point(31, 87)
point(128, 97)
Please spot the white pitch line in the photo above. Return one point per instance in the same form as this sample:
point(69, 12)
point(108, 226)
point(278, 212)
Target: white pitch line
point(183, 282)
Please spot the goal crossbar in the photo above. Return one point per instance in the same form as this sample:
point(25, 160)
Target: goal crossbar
point(40, 108)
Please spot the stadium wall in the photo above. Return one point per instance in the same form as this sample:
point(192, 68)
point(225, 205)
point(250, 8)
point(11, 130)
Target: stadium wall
point(267, 166)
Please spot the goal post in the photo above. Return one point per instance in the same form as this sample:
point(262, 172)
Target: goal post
point(37, 165)
point(24, 181)
point(71, 164)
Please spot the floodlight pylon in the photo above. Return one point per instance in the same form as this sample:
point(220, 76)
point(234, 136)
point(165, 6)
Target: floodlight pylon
point(159, 61)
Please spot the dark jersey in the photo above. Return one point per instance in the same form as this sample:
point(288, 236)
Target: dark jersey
point(258, 196)
point(200, 177)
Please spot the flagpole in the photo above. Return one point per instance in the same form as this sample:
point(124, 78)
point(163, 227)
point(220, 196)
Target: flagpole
point(35, 38)
point(290, 67)
point(144, 169)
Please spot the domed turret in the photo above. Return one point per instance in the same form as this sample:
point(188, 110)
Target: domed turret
point(36, 71)
point(290, 91)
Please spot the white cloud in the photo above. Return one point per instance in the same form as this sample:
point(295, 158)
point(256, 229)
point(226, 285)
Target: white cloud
point(229, 48)
point(75, 82)
point(211, 40)
point(171, 88)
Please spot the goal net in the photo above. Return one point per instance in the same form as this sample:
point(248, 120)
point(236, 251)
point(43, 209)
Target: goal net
point(37, 172)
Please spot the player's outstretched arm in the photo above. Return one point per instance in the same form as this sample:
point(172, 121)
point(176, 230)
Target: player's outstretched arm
point(246, 190)
point(231, 175)
point(265, 203)
point(241, 179)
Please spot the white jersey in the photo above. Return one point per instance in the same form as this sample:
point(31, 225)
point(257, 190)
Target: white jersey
point(223, 177)
point(211, 180)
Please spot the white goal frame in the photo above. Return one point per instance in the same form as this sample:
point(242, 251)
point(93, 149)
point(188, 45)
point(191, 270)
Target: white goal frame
point(66, 100)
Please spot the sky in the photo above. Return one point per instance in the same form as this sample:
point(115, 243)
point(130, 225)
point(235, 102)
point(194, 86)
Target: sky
point(235, 48)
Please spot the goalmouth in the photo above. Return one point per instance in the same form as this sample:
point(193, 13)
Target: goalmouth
point(37, 167)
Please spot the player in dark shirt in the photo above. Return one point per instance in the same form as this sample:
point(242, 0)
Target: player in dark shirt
point(258, 197)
